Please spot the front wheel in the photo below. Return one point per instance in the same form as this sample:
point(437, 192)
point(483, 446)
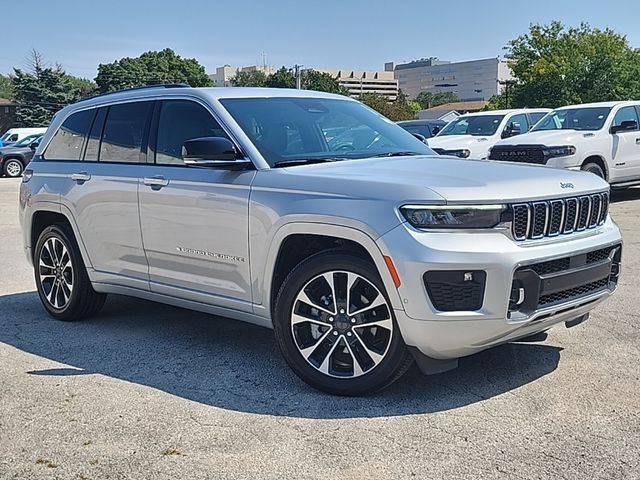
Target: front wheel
point(61, 276)
point(13, 168)
point(335, 326)
point(593, 168)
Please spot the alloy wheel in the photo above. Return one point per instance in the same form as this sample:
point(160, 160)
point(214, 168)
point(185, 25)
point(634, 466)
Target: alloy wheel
point(341, 324)
point(55, 271)
point(13, 168)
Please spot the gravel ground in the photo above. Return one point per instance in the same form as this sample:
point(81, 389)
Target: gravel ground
point(150, 391)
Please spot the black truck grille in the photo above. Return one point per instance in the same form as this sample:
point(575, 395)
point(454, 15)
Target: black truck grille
point(524, 153)
point(549, 218)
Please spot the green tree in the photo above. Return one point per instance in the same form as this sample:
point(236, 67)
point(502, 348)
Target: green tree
point(249, 78)
point(6, 87)
point(151, 68)
point(322, 82)
point(555, 66)
point(433, 99)
point(282, 78)
point(399, 109)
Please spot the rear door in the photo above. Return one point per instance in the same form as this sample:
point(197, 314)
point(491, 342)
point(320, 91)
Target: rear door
point(194, 220)
point(102, 189)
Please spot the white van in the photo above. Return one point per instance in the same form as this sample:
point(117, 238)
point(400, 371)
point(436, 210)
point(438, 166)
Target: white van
point(16, 134)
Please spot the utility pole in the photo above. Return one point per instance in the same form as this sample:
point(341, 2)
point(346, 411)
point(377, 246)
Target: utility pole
point(298, 74)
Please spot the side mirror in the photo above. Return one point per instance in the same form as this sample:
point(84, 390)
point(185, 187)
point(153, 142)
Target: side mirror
point(625, 125)
point(34, 145)
point(435, 131)
point(212, 152)
point(422, 138)
point(511, 130)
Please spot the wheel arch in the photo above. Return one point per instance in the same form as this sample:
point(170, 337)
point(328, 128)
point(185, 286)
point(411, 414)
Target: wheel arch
point(598, 160)
point(44, 216)
point(294, 242)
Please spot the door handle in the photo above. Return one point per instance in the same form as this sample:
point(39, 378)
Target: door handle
point(80, 177)
point(156, 182)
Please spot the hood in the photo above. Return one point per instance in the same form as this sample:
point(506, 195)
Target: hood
point(478, 146)
point(4, 151)
point(435, 178)
point(549, 138)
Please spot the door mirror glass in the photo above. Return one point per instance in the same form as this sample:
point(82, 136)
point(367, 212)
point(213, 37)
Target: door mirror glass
point(511, 130)
point(625, 125)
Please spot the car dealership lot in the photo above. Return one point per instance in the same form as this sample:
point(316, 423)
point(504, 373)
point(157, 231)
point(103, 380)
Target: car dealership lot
point(150, 391)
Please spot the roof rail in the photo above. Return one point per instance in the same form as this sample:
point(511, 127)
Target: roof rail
point(144, 87)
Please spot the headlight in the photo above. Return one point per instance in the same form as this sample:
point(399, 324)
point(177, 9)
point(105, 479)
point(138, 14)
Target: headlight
point(464, 153)
point(564, 151)
point(453, 216)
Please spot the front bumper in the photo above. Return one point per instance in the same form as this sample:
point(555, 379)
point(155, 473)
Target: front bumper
point(451, 334)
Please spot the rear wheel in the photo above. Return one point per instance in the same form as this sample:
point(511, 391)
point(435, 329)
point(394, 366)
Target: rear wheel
point(13, 168)
point(593, 168)
point(61, 276)
point(335, 326)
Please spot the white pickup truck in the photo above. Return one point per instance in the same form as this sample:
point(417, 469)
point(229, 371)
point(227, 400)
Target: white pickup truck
point(473, 134)
point(602, 138)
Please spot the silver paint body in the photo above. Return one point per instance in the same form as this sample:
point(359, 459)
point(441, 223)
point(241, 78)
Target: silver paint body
point(209, 239)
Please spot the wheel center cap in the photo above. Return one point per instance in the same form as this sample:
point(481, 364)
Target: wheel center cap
point(342, 323)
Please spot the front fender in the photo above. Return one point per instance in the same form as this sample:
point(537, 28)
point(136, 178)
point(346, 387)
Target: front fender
point(262, 268)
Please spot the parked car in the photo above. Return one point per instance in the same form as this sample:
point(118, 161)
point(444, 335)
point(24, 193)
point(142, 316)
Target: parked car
point(230, 201)
point(14, 135)
point(14, 158)
point(425, 128)
point(473, 135)
point(601, 138)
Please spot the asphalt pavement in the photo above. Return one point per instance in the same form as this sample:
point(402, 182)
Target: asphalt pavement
point(150, 391)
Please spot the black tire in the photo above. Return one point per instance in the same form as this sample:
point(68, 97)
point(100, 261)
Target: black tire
point(594, 168)
point(395, 361)
point(83, 301)
point(13, 167)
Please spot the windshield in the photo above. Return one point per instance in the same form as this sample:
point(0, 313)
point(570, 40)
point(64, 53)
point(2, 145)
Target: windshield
point(591, 118)
point(5, 136)
point(479, 126)
point(303, 129)
point(26, 141)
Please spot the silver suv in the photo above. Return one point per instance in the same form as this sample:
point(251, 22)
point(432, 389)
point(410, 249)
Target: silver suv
point(313, 215)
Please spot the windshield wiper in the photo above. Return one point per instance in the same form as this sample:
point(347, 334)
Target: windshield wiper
point(399, 154)
point(306, 161)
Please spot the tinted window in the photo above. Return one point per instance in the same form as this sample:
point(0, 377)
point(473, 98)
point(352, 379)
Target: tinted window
point(536, 117)
point(479, 125)
point(182, 120)
point(417, 128)
point(583, 118)
point(124, 131)
point(625, 114)
point(304, 129)
point(93, 144)
point(67, 142)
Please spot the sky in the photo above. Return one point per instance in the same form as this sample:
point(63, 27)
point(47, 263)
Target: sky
point(346, 34)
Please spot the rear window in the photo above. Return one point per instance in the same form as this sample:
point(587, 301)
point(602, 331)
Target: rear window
point(68, 141)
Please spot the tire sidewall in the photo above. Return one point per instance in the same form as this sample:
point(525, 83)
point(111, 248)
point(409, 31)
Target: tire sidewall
point(6, 167)
point(76, 263)
point(595, 169)
point(381, 375)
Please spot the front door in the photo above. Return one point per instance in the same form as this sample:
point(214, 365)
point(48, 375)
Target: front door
point(194, 220)
point(626, 146)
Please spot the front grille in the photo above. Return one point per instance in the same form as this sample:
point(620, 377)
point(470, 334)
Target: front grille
point(572, 293)
point(549, 218)
point(453, 291)
point(514, 153)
